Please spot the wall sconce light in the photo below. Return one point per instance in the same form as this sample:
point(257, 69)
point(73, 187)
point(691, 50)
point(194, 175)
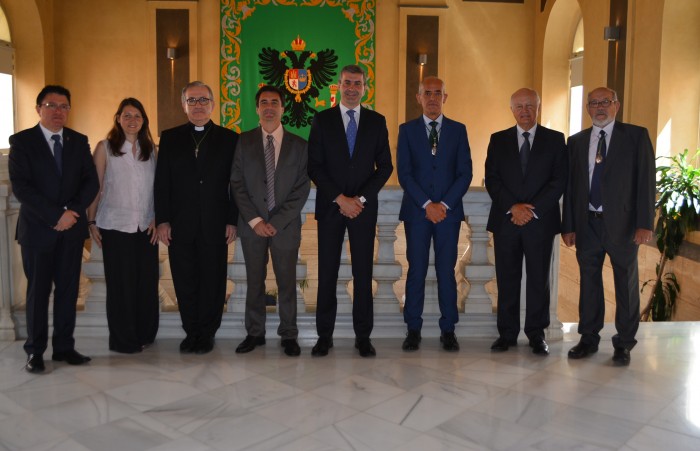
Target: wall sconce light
point(612, 34)
point(422, 59)
point(170, 54)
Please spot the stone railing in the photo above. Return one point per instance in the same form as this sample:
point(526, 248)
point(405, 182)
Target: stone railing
point(474, 270)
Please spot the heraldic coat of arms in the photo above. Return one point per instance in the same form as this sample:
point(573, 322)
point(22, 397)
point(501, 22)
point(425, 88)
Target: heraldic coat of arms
point(310, 72)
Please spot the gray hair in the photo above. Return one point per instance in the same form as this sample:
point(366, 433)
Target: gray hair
point(194, 84)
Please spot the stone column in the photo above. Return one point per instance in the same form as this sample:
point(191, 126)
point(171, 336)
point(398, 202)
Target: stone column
point(7, 325)
point(387, 270)
point(480, 271)
point(237, 274)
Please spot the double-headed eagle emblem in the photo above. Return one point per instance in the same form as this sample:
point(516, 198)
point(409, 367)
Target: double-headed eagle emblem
point(302, 82)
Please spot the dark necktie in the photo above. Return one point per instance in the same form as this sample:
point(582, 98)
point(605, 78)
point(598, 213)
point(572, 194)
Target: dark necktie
point(525, 152)
point(58, 152)
point(433, 137)
point(351, 132)
point(270, 172)
point(596, 193)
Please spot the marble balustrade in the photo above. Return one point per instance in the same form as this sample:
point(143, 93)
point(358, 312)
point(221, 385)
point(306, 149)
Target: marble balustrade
point(474, 270)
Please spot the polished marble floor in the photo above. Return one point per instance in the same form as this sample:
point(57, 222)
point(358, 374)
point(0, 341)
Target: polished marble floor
point(427, 400)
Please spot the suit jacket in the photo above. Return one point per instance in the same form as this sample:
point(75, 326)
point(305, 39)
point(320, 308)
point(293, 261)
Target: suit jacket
point(444, 177)
point(248, 179)
point(45, 194)
point(191, 192)
point(334, 172)
point(628, 183)
point(542, 185)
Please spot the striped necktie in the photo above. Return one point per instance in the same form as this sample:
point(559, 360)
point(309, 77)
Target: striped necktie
point(270, 171)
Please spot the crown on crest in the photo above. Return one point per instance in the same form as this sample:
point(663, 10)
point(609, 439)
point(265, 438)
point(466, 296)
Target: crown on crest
point(298, 45)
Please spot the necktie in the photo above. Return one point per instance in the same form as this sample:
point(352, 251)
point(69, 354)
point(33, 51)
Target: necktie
point(270, 172)
point(596, 193)
point(58, 152)
point(351, 132)
point(525, 152)
point(433, 137)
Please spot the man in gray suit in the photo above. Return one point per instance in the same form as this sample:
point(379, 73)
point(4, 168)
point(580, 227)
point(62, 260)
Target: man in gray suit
point(608, 209)
point(270, 185)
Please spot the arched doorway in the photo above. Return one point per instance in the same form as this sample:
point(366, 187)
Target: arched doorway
point(559, 57)
point(7, 97)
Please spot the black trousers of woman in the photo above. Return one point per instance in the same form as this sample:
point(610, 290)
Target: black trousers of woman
point(131, 274)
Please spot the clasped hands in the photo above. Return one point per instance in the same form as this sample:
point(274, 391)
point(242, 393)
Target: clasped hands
point(435, 212)
point(521, 214)
point(350, 207)
point(265, 229)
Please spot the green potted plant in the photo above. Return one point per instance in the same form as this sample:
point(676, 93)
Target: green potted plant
point(678, 204)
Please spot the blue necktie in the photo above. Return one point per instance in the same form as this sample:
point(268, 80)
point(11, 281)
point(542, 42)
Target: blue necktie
point(596, 194)
point(351, 132)
point(58, 152)
point(525, 152)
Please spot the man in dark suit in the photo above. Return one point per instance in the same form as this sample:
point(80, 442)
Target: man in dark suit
point(608, 209)
point(270, 185)
point(55, 180)
point(526, 171)
point(196, 214)
point(435, 169)
point(349, 161)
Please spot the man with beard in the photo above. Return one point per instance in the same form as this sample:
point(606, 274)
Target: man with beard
point(608, 209)
point(196, 214)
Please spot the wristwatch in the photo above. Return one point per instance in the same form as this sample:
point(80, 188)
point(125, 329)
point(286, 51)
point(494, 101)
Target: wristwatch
point(363, 200)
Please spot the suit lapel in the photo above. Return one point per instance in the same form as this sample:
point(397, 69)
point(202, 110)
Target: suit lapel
point(616, 148)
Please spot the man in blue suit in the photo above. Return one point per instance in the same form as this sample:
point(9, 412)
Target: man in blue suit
point(435, 170)
point(55, 180)
point(526, 170)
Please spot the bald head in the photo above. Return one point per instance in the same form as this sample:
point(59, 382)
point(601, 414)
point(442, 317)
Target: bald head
point(431, 96)
point(525, 105)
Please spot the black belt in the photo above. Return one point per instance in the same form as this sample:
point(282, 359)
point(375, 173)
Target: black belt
point(595, 214)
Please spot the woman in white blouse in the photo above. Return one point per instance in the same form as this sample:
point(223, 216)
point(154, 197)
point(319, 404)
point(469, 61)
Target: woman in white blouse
point(122, 223)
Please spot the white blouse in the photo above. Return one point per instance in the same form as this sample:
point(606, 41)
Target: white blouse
point(126, 201)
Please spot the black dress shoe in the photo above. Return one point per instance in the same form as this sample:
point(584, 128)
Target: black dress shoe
point(187, 345)
point(582, 350)
point(539, 346)
point(249, 343)
point(71, 357)
point(501, 344)
point(291, 347)
point(204, 345)
point(412, 341)
point(364, 345)
point(449, 342)
point(322, 346)
point(35, 364)
point(621, 357)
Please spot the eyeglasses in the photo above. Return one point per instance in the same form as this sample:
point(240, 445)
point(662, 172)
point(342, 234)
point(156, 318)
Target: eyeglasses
point(604, 103)
point(54, 106)
point(192, 101)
